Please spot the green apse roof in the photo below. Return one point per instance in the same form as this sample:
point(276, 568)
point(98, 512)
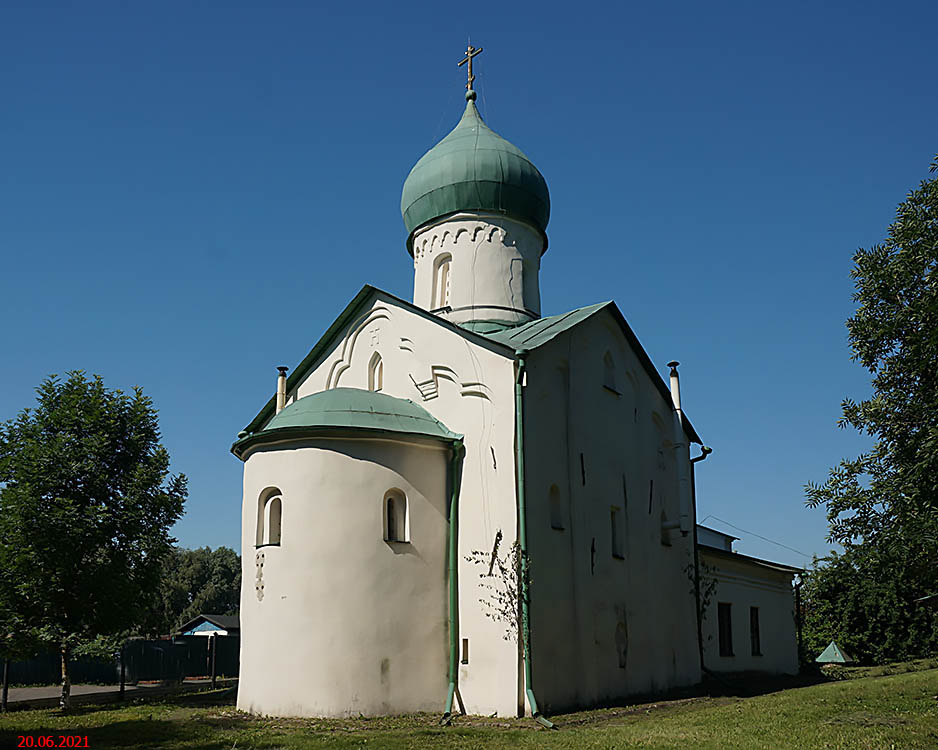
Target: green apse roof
point(348, 409)
point(474, 169)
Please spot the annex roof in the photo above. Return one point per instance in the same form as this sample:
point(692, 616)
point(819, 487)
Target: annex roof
point(719, 552)
point(231, 623)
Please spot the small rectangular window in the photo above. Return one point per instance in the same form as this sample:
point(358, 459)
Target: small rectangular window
point(725, 626)
point(754, 631)
point(465, 651)
point(556, 508)
point(615, 522)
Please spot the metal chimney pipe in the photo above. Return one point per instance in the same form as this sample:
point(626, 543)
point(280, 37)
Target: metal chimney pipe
point(675, 385)
point(281, 388)
point(682, 453)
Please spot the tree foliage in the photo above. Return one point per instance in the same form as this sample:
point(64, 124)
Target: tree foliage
point(889, 496)
point(502, 583)
point(865, 600)
point(883, 505)
point(196, 581)
point(86, 504)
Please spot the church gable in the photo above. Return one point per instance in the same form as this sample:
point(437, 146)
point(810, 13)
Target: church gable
point(540, 333)
point(382, 343)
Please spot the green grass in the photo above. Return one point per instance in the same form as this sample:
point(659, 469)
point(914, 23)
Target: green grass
point(891, 711)
point(839, 672)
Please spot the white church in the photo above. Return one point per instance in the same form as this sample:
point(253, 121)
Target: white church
point(387, 479)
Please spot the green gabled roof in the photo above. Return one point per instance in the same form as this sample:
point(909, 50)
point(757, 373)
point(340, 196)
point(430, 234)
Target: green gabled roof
point(474, 169)
point(539, 332)
point(348, 409)
point(501, 340)
point(834, 654)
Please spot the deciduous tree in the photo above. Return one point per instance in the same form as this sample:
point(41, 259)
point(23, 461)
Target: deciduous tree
point(86, 504)
point(889, 496)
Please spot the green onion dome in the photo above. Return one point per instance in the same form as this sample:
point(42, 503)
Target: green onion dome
point(474, 169)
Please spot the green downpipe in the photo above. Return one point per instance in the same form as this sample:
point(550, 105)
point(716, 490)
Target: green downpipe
point(523, 541)
point(453, 578)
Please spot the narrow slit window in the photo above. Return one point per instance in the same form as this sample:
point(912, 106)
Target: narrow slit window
point(665, 531)
point(556, 509)
point(754, 631)
point(615, 522)
point(395, 517)
point(609, 373)
point(465, 651)
point(376, 373)
point(441, 281)
point(269, 517)
point(274, 520)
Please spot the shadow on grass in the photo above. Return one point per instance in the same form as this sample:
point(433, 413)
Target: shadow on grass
point(749, 684)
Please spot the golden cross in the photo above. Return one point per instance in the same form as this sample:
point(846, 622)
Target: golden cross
point(470, 53)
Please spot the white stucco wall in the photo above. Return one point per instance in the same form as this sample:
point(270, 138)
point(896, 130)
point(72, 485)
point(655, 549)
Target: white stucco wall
point(745, 584)
point(494, 270)
point(468, 384)
point(585, 614)
point(344, 622)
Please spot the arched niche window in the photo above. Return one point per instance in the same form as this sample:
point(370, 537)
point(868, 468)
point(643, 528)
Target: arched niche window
point(441, 281)
point(269, 517)
point(396, 525)
point(609, 373)
point(556, 508)
point(665, 530)
point(376, 373)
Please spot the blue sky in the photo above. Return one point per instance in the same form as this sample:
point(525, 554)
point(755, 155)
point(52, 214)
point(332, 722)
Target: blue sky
point(190, 192)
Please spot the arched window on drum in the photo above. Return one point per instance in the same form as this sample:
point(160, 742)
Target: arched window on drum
point(441, 281)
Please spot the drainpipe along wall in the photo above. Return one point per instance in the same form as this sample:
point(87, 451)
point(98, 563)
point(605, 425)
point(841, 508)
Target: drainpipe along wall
point(452, 574)
point(704, 452)
point(523, 538)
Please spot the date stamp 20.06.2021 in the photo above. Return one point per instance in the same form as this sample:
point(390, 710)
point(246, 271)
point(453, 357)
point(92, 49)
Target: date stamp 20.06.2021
point(52, 740)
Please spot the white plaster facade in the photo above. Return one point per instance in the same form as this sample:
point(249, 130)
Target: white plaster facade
point(742, 584)
point(362, 626)
point(606, 623)
point(603, 626)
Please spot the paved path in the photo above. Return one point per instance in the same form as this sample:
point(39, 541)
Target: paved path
point(49, 695)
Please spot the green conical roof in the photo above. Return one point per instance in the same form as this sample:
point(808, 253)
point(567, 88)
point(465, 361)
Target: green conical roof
point(834, 654)
point(348, 409)
point(474, 169)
